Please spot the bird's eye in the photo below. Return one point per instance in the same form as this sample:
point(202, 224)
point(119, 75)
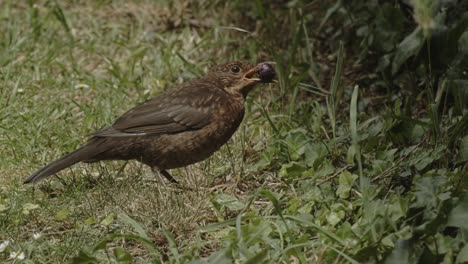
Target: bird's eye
point(235, 69)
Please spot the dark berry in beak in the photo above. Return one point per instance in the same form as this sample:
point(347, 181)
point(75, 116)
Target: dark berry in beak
point(267, 72)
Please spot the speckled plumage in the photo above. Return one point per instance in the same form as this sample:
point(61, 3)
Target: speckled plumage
point(180, 127)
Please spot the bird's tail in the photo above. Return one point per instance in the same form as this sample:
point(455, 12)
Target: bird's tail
point(84, 153)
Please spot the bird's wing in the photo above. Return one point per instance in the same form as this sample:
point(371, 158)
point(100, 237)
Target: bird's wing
point(184, 108)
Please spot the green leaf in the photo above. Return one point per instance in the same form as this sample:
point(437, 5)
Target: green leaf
point(172, 243)
point(401, 253)
point(149, 244)
point(229, 201)
point(218, 226)
point(346, 182)
point(463, 255)
point(138, 228)
point(409, 47)
point(464, 149)
point(221, 256)
point(28, 207)
point(270, 196)
point(344, 255)
point(62, 214)
point(291, 170)
point(463, 44)
point(426, 191)
point(3, 207)
point(307, 222)
point(296, 143)
point(334, 217)
point(423, 163)
point(351, 154)
point(314, 154)
point(398, 208)
point(122, 256)
point(108, 220)
point(333, 100)
point(353, 116)
point(459, 215)
point(258, 258)
point(90, 221)
point(84, 258)
point(101, 244)
point(60, 16)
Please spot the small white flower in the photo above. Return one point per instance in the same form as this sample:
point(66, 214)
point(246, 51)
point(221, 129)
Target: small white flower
point(17, 255)
point(3, 245)
point(36, 236)
point(81, 86)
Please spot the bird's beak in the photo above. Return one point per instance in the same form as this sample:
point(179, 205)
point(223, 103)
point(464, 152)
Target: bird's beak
point(251, 76)
point(261, 73)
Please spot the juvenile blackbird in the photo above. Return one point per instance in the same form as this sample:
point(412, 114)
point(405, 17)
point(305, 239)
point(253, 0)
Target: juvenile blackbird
point(182, 126)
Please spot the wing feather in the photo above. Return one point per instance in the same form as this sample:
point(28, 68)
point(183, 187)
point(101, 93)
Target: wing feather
point(182, 109)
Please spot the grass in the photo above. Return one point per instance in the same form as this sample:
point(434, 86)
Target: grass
point(67, 71)
point(372, 171)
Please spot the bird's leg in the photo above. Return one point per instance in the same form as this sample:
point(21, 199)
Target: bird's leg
point(168, 176)
point(164, 173)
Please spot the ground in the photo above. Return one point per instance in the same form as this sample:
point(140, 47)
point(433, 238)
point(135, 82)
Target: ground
point(335, 162)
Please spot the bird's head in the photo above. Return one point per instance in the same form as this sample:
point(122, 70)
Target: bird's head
point(240, 77)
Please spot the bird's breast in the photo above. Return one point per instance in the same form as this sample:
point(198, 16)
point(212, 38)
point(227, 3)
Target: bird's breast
point(226, 115)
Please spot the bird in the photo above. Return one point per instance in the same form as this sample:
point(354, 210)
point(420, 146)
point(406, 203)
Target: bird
point(180, 127)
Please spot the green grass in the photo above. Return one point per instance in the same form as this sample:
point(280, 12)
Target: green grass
point(373, 170)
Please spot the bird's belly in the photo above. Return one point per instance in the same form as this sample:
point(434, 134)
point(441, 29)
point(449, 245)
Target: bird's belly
point(182, 149)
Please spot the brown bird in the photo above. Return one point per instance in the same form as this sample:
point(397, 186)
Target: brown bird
point(182, 126)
